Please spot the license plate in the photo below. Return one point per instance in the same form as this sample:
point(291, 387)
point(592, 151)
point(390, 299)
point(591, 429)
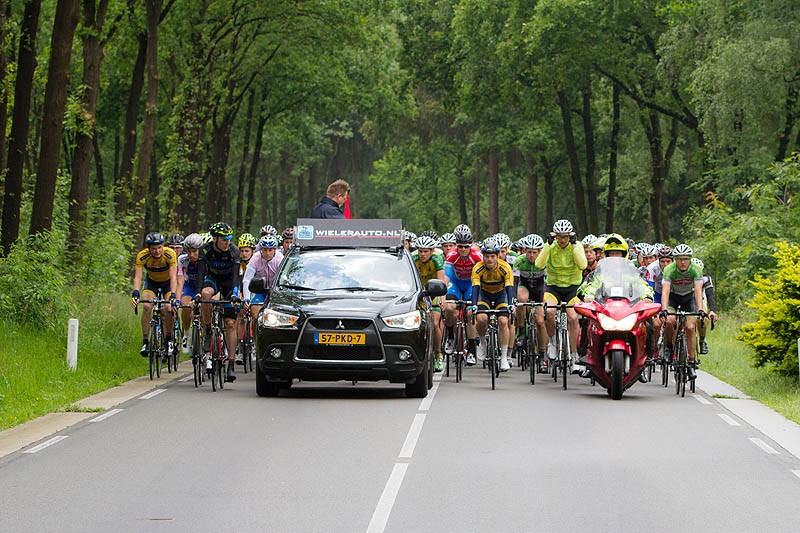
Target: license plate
point(340, 338)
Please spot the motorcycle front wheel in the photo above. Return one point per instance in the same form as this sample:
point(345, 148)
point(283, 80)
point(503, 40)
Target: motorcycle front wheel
point(617, 374)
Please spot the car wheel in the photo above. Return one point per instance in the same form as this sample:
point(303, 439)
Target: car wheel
point(264, 387)
point(419, 388)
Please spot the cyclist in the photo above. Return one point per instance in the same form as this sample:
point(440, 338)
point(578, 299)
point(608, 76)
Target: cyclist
point(709, 305)
point(431, 266)
point(509, 256)
point(265, 263)
point(268, 229)
point(188, 284)
point(458, 265)
point(220, 274)
point(161, 265)
point(448, 243)
point(493, 288)
point(287, 238)
point(529, 286)
point(653, 275)
point(565, 261)
point(682, 289)
point(246, 245)
point(175, 242)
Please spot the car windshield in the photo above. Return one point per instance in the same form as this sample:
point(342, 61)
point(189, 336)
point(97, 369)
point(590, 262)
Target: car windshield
point(618, 279)
point(347, 270)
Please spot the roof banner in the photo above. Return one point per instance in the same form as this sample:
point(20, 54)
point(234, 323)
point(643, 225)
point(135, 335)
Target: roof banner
point(341, 232)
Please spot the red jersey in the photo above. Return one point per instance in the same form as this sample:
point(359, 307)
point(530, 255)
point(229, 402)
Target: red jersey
point(461, 267)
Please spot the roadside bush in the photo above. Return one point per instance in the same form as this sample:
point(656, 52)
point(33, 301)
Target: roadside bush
point(773, 337)
point(108, 266)
point(34, 288)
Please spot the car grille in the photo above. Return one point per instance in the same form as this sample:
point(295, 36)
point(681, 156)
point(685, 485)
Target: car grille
point(332, 324)
point(340, 353)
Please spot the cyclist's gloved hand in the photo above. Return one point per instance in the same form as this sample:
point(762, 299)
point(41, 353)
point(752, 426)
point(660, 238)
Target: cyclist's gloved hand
point(573, 238)
point(662, 314)
point(173, 301)
point(550, 239)
point(472, 308)
point(134, 298)
point(702, 314)
point(511, 309)
point(235, 299)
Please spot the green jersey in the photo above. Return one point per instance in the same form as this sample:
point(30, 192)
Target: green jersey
point(681, 283)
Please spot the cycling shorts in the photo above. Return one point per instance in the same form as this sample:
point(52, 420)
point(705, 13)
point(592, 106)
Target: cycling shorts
point(189, 290)
point(555, 295)
point(225, 290)
point(684, 303)
point(459, 289)
point(257, 299)
point(492, 300)
point(535, 289)
point(155, 287)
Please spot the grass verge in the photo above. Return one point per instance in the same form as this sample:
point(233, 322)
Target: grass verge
point(34, 378)
point(730, 361)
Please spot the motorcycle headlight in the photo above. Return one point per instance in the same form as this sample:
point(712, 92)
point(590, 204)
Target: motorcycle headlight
point(610, 324)
point(410, 320)
point(270, 318)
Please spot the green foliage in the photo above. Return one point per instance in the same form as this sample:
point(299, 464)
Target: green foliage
point(773, 337)
point(34, 287)
point(110, 247)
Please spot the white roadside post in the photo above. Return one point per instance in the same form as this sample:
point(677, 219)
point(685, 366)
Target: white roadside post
point(72, 344)
point(798, 354)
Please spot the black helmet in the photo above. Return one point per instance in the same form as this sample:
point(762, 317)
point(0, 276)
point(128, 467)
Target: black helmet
point(175, 239)
point(153, 238)
point(221, 229)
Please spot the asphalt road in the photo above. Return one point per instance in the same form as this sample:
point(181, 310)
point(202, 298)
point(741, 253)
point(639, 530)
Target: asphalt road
point(338, 457)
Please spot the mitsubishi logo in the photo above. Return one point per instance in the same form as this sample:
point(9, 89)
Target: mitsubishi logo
point(339, 325)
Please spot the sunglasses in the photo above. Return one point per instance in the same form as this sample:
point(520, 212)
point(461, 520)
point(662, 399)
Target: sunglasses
point(464, 245)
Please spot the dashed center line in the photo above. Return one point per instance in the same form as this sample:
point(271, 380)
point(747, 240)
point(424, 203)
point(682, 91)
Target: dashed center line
point(46, 444)
point(413, 436)
point(426, 402)
point(730, 421)
point(186, 378)
point(107, 414)
point(152, 394)
point(702, 399)
point(381, 515)
point(763, 445)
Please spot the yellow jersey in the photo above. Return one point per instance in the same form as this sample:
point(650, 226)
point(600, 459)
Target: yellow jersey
point(157, 269)
point(493, 281)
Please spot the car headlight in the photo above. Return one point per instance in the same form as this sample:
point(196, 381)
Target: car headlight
point(270, 318)
point(610, 324)
point(410, 320)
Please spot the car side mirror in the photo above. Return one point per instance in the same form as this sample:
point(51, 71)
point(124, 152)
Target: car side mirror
point(435, 287)
point(259, 285)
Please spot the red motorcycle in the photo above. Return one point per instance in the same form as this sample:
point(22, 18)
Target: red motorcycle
point(616, 334)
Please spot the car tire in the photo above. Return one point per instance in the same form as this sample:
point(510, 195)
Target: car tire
point(419, 388)
point(264, 387)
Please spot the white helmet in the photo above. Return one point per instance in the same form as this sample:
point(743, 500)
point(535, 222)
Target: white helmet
point(425, 242)
point(502, 240)
point(562, 226)
point(589, 239)
point(193, 241)
point(682, 250)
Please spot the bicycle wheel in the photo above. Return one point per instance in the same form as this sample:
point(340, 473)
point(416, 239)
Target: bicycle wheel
point(491, 356)
point(564, 353)
point(662, 353)
point(216, 358)
point(159, 350)
point(152, 351)
point(460, 350)
point(197, 360)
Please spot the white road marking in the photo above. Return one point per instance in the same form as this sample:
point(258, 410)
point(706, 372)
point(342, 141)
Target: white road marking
point(187, 378)
point(438, 376)
point(730, 421)
point(46, 444)
point(412, 437)
point(152, 394)
point(381, 515)
point(701, 399)
point(426, 402)
point(763, 445)
point(107, 414)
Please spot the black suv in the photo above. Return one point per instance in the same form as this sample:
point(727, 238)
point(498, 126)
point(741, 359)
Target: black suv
point(356, 314)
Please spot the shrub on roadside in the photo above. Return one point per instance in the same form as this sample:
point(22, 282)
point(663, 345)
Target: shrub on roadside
point(773, 337)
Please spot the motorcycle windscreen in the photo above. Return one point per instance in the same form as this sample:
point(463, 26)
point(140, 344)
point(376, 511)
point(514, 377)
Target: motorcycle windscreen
point(619, 279)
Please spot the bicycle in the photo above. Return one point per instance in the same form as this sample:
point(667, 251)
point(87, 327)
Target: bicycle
point(493, 344)
point(177, 336)
point(680, 362)
point(198, 354)
point(528, 351)
point(156, 343)
point(562, 344)
point(663, 358)
point(459, 340)
point(217, 348)
point(245, 348)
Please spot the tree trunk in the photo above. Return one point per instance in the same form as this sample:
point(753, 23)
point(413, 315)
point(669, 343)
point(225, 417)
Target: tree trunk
point(591, 183)
point(790, 118)
point(220, 148)
point(93, 18)
point(301, 196)
point(533, 195)
point(549, 172)
point(251, 180)
point(312, 188)
point(611, 201)
point(282, 204)
point(574, 165)
point(494, 193)
point(152, 208)
point(462, 196)
point(652, 128)
point(55, 98)
point(98, 164)
point(4, 12)
point(476, 204)
point(153, 10)
point(123, 184)
point(20, 123)
point(248, 124)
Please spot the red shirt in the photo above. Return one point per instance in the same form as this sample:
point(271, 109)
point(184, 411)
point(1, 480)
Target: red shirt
point(462, 266)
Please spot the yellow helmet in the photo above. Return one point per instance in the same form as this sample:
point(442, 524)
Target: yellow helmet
point(615, 243)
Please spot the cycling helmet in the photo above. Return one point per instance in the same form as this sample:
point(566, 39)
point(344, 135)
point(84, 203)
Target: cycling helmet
point(599, 243)
point(175, 239)
point(153, 238)
point(409, 236)
point(502, 240)
point(463, 234)
point(246, 240)
point(697, 261)
point(490, 246)
point(193, 241)
point(664, 251)
point(288, 233)
point(268, 230)
point(429, 233)
point(615, 243)
point(221, 229)
point(537, 243)
point(682, 250)
point(631, 243)
point(448, 237)
point(269, 241)
point(425, 241)
point(589, 239)
point(563, 227)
